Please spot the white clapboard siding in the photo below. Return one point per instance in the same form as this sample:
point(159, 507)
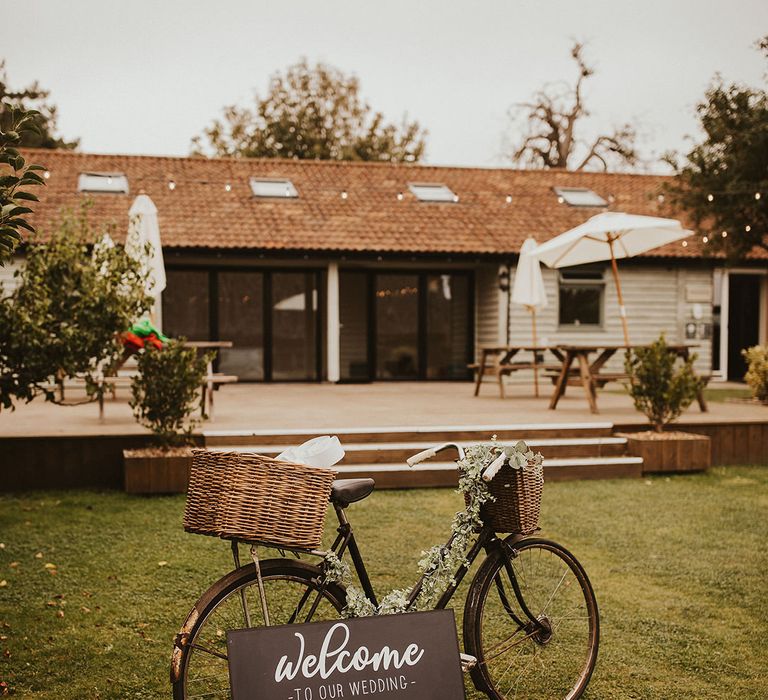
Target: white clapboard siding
point(489, 311)
point(657, 298)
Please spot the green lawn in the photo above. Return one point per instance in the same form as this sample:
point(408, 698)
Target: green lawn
point(95, 585)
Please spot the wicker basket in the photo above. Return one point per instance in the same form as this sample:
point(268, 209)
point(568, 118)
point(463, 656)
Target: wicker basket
point(259, 499)
point(518, 500)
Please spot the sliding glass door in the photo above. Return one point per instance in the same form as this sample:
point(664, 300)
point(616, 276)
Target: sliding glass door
point(397, 326)
point(405, 325)
point(294, 325)
point(270, 316)
point(241, 320)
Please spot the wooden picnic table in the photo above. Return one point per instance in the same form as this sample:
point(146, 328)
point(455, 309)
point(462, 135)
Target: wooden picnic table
point(212, 379)
point(498, 360)
point(591, 375)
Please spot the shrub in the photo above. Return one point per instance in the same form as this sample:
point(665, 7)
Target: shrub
point(165, 391)
point(74, 297)
point(661, 385)
point(757, 372)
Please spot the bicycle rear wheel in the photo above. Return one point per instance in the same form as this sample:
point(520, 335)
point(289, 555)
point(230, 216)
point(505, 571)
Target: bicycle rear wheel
point(550, 654)
point(199, 667)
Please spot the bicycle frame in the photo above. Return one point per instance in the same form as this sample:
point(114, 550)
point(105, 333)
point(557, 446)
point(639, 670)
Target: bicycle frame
point(487, 540)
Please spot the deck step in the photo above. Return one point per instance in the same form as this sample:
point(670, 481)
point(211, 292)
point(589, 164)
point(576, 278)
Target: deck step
point(397, 475)
point(431, 434)
point(387, 452)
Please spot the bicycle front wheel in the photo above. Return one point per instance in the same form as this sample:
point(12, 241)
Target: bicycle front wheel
point(539, 641)
point(199, 667)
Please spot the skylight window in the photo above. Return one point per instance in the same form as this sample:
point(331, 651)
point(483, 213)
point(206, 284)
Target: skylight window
point(579, 197)
point(433, 193)
point(269, 187)
point(102, 182)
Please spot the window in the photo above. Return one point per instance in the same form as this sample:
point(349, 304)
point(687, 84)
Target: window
point(433, 193)
point(102, 182)
point(579, 197)
point(581, 296)
point(266, 187)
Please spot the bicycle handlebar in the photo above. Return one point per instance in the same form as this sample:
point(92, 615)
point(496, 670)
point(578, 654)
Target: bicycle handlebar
point(432, 451)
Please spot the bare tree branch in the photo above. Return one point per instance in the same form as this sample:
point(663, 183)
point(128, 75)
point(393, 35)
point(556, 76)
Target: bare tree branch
point(552, 117)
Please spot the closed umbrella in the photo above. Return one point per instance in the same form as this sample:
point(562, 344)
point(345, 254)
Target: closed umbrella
point(529, 291)
point(143, 228)
point(610, 236)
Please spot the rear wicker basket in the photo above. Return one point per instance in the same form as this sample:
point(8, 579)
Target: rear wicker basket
point(257, 499)
point(518, 500)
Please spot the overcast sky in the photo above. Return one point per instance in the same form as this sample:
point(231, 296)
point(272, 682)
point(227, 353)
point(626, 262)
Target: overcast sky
point(145, 76)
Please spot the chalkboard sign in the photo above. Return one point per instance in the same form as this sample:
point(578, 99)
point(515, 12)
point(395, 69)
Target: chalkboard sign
point(414, 656)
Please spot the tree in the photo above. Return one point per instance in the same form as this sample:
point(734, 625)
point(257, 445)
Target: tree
point(33, 100)
point(549, 131)
point(314, 113)
point(723, 181)
point(15, 177)
point(75, 296)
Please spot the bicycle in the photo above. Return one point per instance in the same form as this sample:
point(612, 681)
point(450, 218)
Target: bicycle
point(530, 622)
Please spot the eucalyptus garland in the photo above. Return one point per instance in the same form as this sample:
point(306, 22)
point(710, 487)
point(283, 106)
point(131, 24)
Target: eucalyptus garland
point(439, 563)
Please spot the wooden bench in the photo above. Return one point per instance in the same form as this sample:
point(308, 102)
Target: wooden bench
point(498, 362)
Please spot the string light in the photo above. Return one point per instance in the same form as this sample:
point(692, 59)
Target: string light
point(685, 244)
point(660, 199)
point(47, 174)
point(399, 196)
point(747, 228)
point(560, 200)
point(455, 198)
point(171, 185)
point(509, 199)
point(227, 187)
point(724, 234)
point(710, 198)
point(757, 195)
point(705, 239)
point(344, 194)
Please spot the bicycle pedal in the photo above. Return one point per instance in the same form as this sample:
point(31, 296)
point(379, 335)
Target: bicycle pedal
point(468, 662)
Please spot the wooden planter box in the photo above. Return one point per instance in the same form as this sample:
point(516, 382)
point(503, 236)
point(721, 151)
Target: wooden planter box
point(150, 470)
point(670, 451)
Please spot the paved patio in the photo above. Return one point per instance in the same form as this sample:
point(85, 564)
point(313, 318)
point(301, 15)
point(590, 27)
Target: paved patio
point(329, 406)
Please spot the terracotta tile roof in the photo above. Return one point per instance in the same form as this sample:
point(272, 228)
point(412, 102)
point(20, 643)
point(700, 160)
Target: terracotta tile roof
point(200, 213)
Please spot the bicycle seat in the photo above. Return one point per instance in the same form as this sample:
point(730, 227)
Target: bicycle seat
point(346, 491)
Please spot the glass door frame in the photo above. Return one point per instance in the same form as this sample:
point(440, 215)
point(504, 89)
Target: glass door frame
point(213, 310)
point(421, 274)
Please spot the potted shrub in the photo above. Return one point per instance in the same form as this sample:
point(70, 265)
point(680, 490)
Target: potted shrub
point(662, 386)
point(757, 371)
point(164, 394)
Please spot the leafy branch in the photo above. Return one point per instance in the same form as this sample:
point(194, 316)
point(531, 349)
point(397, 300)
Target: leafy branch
point(15, 177)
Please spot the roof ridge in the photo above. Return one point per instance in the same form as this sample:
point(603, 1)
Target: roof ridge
point(348, 163)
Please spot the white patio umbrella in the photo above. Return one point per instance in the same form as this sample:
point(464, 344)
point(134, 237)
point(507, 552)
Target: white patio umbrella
point(528, 291)
point(610, 236)
point(143, 228)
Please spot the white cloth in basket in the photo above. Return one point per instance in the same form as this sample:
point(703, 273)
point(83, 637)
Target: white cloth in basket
point(324, 451)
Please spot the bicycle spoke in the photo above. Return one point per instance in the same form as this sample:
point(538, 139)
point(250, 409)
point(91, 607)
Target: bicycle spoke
point(552, 655)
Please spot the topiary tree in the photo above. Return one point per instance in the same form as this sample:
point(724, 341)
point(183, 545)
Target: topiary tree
point(75, 296)
point(164, 394)
point(757, 371)
point(661, 385)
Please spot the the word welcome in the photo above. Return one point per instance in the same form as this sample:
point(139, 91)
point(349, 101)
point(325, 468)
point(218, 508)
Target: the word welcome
point(341, 660)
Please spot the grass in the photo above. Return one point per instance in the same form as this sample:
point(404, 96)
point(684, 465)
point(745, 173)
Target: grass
point(97, 584)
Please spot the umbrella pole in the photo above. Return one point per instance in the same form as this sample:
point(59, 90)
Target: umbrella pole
point(535, 358)
point(617, 282)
